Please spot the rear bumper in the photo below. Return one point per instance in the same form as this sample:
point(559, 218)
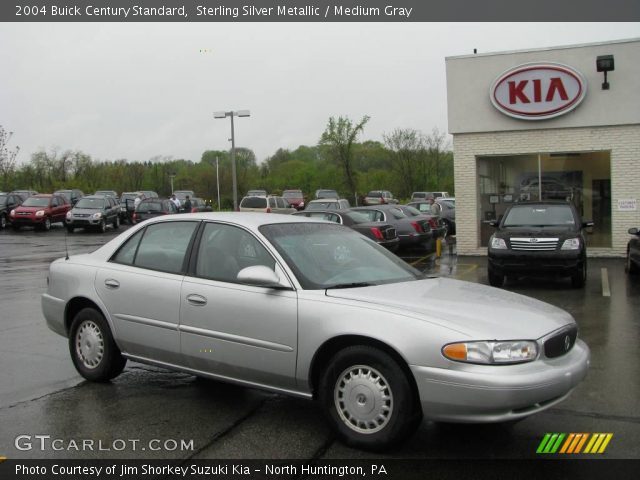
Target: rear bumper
point(392, 245)
point(484, 393)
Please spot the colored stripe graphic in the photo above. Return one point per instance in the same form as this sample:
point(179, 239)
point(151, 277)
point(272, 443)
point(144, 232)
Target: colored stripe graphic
point(574, 443)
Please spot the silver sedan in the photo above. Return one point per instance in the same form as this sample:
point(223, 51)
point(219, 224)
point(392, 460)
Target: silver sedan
point(312, 309)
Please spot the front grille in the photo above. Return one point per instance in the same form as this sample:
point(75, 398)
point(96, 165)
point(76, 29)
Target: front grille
point(534, 244)
point(81, 215)
point(23, 213)
point(390, 233)
point(558, 345)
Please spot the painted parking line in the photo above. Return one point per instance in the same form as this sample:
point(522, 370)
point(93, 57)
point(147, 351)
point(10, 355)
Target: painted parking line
point(421, 259)
point(469, 268)
point(606, 291)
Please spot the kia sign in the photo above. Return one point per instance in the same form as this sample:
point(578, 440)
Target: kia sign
point(537, 91)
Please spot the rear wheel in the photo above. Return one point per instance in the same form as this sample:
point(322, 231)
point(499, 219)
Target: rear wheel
point(579, 277)
point(93, 350)
point(368, 398)
point(495, 279)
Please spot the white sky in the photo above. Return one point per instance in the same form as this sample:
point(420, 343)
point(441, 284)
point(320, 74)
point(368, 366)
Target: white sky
point(139, 90)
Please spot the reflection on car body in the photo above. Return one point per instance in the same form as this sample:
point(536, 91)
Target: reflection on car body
point(312, 309)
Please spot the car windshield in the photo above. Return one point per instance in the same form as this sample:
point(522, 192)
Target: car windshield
point(322, 206)
point(411, 210)
point(539, 215)
point(332, 256)
point(66, 193)
point(327, 194)
point(36, 202)
point(292, 194)
point(91, 203)
point(375, 193)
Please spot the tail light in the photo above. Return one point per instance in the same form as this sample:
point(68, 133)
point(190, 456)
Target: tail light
point(433, 223)
point(417, 227)
point(194, 210)
point(135, 217)
point(377, 233)
point(268, 209)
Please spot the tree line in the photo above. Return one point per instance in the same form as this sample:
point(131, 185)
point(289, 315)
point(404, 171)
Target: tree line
point(406, 160)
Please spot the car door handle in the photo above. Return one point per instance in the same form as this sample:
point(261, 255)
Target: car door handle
point(111, 283)
point(197, 300)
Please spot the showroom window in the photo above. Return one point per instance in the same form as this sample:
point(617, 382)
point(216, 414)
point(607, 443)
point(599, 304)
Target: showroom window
point(582, 178)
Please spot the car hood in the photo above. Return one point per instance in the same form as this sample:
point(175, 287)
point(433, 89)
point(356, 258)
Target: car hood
point(30, 209)
point(475, 310)
point(547, 231)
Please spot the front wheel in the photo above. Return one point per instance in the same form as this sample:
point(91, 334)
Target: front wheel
point(495, 279)
point(579, 277)
point(46, 225)
point(3, 221)
point(368, 398)
point(116, 223)
point(630, 267)
point(93, 350)
point(102, 227)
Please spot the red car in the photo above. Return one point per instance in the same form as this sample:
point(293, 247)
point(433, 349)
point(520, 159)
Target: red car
point(295, 198)
point(40, 211)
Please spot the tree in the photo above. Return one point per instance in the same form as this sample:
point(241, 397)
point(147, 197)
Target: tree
point(339, 137)
point(407, 147)
point(7, 157)
point(436, 144)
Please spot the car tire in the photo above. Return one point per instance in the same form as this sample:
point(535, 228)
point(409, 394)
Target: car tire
point(368, 398)
point(46, 225)
point(3, 221)
point(630, 267)
point(579, 277)
point(15, 226)
point(93, 351)
point(102, 227)
point(495, 279)
point(70, 229)
point(116, 223)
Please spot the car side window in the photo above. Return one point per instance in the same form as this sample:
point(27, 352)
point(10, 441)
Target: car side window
point(163, 247)
point(127, 252)
point(225, 250)
point(280, 202)
point(272, 202)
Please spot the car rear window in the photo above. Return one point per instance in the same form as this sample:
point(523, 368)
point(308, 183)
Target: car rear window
point(374, 193)
point(150, 206)
point(254, 202)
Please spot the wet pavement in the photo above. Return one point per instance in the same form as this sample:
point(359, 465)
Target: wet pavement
point(41, 393)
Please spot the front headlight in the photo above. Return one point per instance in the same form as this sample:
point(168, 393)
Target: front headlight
point(69, 214)
point(492, 353)
point(13, 213)
point(40, 213)
point(571, 244)
point(498, 243)
point(97, 215)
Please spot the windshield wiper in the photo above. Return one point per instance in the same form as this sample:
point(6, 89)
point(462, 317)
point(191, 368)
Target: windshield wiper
point(351, 285)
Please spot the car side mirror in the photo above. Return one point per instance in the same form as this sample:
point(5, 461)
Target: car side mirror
point(260, 276)
point(587, 224)
point(633, 231)
point(494, 223)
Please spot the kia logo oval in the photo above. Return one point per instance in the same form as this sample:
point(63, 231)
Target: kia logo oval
point(538, 91)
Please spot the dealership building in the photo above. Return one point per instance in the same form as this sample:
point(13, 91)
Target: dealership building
point(560, 123)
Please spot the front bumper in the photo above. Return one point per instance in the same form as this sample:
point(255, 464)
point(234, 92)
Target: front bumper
point(498, 393)
point(519, 262)
point(83, 222)
point(24, 220)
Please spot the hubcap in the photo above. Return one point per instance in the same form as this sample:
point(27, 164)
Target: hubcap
point(363, 399)
point(89, 344)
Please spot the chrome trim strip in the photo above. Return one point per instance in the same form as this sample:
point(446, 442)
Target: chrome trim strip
point(254, 342)
point(214, 376)
point(146, 321)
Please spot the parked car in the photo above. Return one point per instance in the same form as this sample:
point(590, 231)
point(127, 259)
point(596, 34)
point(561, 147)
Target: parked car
point(435, 222)
point(149, 194)
point(633, 252)
point(416, 196)
point(322, 193)
point(426, 207)
point(315, 310)
point(153, 207)
point(72, 195)
point(328, 204)
point(549, 187)
point(379, 197)
point(8, 201)
point(128, 205)
point(256, 193)
point(448, 213)
point(268, 204)
point(412, 233)
point(182, 194)
point(383, 234)
point(40, 211)
point(539, 238)
point(199, 205)
point(94, 211)
point(295, 198)
point(24, 194)
point(111, 193)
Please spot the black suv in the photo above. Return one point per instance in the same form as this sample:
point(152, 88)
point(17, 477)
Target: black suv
point(539, 238)
point(8, 201)
point(94, 211)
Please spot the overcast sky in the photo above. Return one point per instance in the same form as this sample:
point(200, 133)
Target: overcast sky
point(137, 90)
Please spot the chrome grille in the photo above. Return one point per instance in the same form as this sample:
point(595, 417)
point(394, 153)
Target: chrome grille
point(534, 243)
point(390, 233)
point(561, 343)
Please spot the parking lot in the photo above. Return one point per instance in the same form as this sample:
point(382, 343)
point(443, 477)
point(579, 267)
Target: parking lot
point(42, 394)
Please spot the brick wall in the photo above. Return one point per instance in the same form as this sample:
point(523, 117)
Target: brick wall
point(622, 141)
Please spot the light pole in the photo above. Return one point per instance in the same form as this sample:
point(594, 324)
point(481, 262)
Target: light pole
point(231, 114)
point(217, 183)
